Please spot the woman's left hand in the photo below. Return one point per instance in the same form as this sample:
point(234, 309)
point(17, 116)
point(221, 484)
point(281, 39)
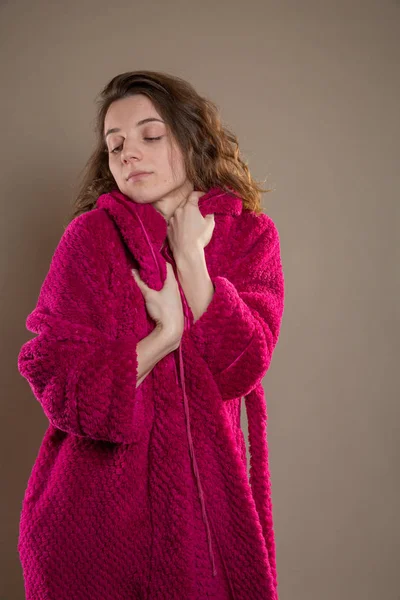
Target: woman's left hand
point(188, 230)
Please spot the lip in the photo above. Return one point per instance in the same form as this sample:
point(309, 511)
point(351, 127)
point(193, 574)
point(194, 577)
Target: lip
point(138, 175)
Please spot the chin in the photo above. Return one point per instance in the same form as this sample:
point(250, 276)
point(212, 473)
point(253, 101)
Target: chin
point(139, 195)
point(147, 193)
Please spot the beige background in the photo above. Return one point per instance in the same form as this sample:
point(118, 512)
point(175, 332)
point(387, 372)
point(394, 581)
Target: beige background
point(312, 90)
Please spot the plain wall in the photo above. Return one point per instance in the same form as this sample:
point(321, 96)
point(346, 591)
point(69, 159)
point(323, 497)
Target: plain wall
point(312, 91)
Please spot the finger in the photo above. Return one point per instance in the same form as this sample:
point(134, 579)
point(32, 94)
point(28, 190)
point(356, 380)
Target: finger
point(210, 220)
point(170, 272)
point(193, 199)
point(195, 196)
point(170, 267)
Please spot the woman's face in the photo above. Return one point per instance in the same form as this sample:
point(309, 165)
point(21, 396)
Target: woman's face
point(130, 149)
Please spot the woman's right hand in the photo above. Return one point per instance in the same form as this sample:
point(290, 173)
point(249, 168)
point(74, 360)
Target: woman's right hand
point(164, 306)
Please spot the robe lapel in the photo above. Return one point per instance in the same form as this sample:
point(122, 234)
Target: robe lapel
point(144, 229)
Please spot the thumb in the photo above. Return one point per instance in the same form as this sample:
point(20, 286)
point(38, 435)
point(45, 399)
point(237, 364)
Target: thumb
point(136, 277)
point(210, 219)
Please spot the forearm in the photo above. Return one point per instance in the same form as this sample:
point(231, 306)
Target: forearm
point(195, 281)
point(152, 349)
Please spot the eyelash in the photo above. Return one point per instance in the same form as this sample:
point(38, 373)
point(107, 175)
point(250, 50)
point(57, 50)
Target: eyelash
point(146, 138)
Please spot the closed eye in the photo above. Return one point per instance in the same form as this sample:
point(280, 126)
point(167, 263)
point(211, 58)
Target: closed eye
point(151, 139)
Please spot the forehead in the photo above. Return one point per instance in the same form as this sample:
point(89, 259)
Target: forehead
point(126, 112)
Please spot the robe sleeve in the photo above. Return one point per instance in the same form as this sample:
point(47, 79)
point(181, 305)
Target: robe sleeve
point(83, 375)
point(237, 333)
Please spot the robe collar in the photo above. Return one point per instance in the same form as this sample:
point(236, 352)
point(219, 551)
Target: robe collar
point(133, 217)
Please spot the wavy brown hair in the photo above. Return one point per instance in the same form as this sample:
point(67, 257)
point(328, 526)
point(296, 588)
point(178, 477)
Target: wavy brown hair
point(210, 151)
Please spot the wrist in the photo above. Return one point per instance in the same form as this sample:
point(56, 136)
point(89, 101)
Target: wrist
point(190, 259)
point(169, 336)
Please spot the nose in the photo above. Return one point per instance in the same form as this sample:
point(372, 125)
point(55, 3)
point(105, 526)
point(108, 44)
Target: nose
point(129, 151)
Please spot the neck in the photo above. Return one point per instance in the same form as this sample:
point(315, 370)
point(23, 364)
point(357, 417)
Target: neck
point(168, 204)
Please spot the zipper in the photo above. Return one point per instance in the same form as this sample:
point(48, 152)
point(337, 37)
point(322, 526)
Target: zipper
point(191, 448)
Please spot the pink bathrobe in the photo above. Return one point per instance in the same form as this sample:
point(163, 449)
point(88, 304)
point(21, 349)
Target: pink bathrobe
point(142, 493)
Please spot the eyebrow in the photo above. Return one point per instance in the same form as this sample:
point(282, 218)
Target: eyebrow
point(142, 122)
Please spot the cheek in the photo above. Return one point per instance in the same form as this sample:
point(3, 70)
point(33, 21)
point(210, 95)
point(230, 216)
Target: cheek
point(173, 166)
point(111, 167)
point(115, 171)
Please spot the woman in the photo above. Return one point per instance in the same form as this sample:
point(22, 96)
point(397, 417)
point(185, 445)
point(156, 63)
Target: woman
point(161, 308)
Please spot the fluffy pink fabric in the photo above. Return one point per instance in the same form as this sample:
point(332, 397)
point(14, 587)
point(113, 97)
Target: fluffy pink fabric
point(142, 493)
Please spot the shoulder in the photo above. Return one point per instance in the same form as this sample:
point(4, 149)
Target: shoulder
point(256, 229)
point(87, 245)
point(92, 230)
point(94, 224)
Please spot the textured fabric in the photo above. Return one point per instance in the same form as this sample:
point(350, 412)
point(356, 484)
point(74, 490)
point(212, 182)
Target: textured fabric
point(142, 493)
